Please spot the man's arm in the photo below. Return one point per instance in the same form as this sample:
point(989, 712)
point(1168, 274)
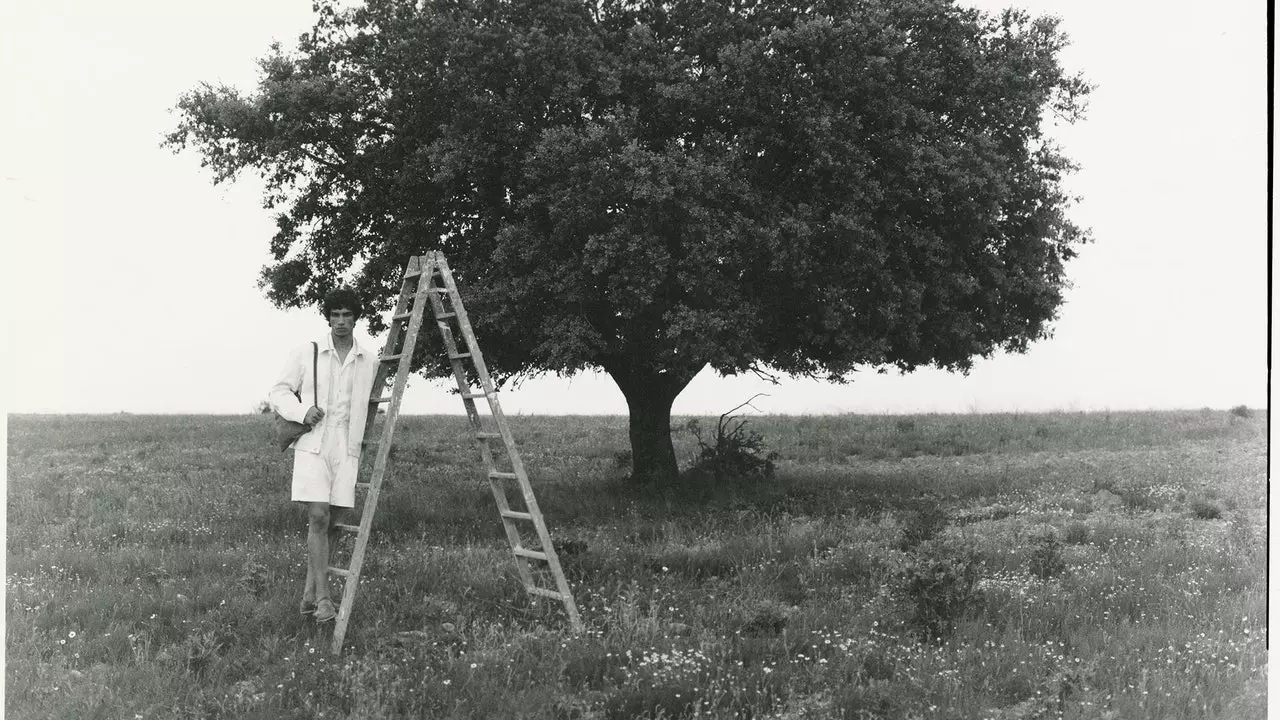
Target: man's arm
point(283, 396)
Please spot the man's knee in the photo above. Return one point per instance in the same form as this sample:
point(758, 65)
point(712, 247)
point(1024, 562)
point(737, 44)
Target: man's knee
point(318, 515)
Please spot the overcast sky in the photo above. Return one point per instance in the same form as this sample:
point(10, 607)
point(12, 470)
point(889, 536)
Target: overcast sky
point(131, 279)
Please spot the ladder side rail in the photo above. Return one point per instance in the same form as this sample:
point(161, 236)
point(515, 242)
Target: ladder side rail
point(394, 335)
point(508, 440)
point(380, 465)
point(482, 373)
point(477, 358)
point(459, 373)
point(464, 324)
point(486, 452)
point(393, 410)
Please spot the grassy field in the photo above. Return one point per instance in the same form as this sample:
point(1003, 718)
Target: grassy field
point(1106, 565)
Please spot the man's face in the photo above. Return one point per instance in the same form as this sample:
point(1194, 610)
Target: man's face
point(342, 321)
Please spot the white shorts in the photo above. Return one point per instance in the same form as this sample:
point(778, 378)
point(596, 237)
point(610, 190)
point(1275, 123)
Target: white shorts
point(329, 475)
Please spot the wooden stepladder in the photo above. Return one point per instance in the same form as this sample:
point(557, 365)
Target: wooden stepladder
point(428, 280)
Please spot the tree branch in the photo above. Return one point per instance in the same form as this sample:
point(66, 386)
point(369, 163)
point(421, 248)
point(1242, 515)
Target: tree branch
point(745, 404)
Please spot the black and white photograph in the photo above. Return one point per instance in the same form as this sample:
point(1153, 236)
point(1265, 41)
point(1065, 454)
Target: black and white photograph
point(636, 359)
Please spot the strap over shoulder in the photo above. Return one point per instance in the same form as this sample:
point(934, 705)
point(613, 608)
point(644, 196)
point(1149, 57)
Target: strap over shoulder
point(315, 377)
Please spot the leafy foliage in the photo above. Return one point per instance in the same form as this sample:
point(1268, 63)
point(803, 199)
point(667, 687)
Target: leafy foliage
point(923, 524)
point(1046, 560)
point(654, 188)
point(939, 583)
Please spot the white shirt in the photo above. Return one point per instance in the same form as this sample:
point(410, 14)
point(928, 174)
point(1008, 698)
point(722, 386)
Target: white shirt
point(344, 388)
point(343, 374)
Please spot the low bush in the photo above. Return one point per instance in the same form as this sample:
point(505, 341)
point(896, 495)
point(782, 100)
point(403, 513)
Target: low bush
point(922, 524)
point(938, 582)
point(732, 453)
point(1046, 559)
point(1204, 509)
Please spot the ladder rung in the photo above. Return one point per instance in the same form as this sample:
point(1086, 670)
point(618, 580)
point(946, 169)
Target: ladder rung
point(546, 593)
point(390, 358)
point(444, 315)
point(459, 356)
point(472, 396)
point(499, 475)
point(340, 571)
point(516, 515)
point(402, 316)
point(348, 528)
point(527, 553)
point(412, 273)
point(383, 399)
point(438, 289)
point(488, 436)
point(364, 486)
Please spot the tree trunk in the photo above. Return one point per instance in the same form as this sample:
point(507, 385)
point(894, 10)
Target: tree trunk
point(649, 399)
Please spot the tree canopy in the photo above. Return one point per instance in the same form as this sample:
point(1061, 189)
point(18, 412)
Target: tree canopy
point(651, 188)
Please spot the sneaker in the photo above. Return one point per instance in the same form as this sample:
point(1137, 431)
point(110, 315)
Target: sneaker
point(325, 611)
point(308, 607)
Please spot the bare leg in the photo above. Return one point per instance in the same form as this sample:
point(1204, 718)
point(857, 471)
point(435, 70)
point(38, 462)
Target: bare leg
point(318, 535)
point(309, 590)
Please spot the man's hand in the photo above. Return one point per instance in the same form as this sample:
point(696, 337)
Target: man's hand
point(314, 416)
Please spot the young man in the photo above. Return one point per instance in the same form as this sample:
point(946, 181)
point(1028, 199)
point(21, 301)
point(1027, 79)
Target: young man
point(327, 459)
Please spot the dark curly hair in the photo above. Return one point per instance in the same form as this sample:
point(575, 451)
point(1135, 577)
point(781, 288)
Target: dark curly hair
point(342, 298)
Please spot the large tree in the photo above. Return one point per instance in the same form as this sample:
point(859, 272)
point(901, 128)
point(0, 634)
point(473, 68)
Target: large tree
point(651, 188)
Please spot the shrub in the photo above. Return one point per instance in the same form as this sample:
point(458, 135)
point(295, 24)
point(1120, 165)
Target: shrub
point(1077, 533)
point(733, 453)
point(1046, 556)
point(1242, 411)
point(922, 524)
point(938, 581)
point(767, 618)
